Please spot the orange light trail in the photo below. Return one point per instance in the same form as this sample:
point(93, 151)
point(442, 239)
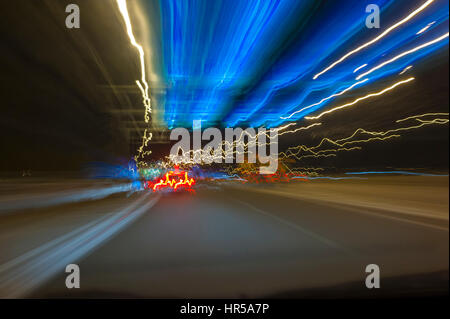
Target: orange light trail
point(172, 182)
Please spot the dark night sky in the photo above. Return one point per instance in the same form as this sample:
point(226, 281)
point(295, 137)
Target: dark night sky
point(53, 83)
point(57, 86)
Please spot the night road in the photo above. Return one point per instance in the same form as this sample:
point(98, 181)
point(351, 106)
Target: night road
point(229, 241)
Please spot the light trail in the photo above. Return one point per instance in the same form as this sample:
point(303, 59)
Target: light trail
point(254, 141)
point(284, 155)
point(426, 27)
point(173, 183)
point(293, 152)
point(361, 99)
point(261, 133)
point(304, 171)
point(435, 121)
point(239, 141)
point(360, 67)
point(145, 140)
point(189, 156)
point(340, 143)
point(424, 123)
point(422, 115)
point(341, 147)
point(327, 98)
point(377, 136)
point(405, 69)
point(325, 151)
point(383, 34)
point(300, 129)
point(122, 4)
point(142, 84)
point(442, 37)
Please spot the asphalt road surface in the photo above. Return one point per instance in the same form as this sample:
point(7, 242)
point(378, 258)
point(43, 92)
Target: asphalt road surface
point(302, 239)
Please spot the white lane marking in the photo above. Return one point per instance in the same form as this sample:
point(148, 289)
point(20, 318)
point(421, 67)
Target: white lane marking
point(38, 265)
point(38, 250)
point(318, 237)
point(404, 220)
point(357, 209)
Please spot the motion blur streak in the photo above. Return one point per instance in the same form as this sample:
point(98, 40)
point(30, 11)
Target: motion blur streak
point(205, 156)
point(359, 67)
point(442, 37)
point(393, 86)
point(299, 129)
point(269, 52)
point(378, 136)
point(360, 130)
point(147, 136)
point(421, 115)
point(62, 197)
point(327, 98)
point(317, 154)
point(426, 27)
point(405, 69)
point(383, 34)
point(124, 11)
point(189, 155)
point(289, 84)
point(21, 275)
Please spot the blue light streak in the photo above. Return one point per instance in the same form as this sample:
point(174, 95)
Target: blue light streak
point(241, 62)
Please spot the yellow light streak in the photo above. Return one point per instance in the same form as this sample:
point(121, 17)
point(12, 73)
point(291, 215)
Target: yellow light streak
point(361, 99)
point(376, 136)
point(189, 156)
point(405, 69)
point(327, 98)
point(122, 4)
point(422, 115)
point(300, 129)
point(423, 123)
point(142, 84)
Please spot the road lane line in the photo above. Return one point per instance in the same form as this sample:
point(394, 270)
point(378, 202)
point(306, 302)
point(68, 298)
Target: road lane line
point(404, 220)
point(357, 209)
point(318, 237)
point(48, 245)
point(35, 267)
